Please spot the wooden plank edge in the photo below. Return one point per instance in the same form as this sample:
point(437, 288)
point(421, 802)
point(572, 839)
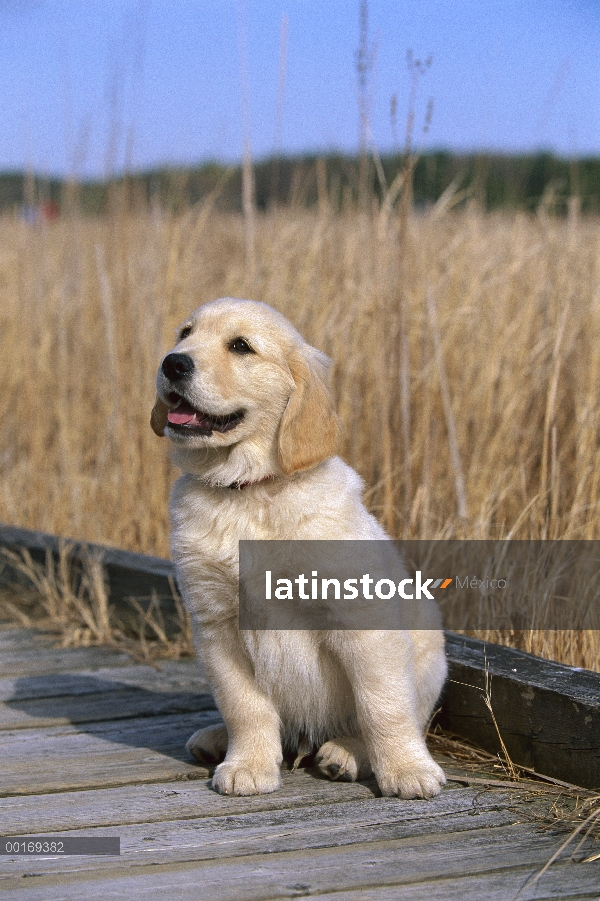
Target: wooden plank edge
point(129, 574)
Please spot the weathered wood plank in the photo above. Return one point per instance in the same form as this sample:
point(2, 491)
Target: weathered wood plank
point(172, 675)
point(169, 801)
point(548, 714)
point(39, 661)
point(97, 707)
point(60, 758)
point(562, 884)
point(16, 638)
point(96, 695)
point(583, 686)
point(160, 801)
point(416, 863)
point(274, 832)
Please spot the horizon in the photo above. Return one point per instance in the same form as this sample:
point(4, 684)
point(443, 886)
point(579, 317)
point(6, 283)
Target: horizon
point(91, 90)
point(300, 157)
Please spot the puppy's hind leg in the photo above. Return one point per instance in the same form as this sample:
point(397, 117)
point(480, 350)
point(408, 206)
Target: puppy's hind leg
point(209, 745)
point(345, 759)
point(381, 672)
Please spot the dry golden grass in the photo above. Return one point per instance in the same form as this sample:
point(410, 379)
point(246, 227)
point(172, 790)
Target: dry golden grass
point(70, 599)
point(492, 385)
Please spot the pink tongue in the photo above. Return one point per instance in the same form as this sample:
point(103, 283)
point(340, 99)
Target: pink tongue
point(183, 414)
point(180, 417)
point(186, 415)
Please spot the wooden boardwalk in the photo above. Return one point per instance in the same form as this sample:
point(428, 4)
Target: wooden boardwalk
point(93, 745)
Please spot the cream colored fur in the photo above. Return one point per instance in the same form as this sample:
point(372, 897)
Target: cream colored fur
point(363, 698)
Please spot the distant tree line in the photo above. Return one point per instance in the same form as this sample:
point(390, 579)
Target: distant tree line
point(494, 181)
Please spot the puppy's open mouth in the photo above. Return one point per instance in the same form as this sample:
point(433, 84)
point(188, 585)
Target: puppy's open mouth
point(186, 419)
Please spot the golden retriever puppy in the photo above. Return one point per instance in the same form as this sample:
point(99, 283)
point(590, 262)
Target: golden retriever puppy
point(245, 402)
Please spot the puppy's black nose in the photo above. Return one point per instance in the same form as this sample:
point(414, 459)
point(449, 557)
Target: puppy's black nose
point(176, 366)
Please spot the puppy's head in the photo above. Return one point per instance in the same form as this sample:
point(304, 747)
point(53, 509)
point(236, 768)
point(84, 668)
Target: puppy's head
point(242, 396)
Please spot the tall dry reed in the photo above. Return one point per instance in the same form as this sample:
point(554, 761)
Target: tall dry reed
point(501, 347)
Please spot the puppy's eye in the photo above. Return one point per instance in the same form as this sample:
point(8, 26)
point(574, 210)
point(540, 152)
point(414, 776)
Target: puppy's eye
point(185, 332)
point(240, 346)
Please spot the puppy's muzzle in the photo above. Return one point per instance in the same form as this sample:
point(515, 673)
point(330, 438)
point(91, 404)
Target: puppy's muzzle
point(177, 366)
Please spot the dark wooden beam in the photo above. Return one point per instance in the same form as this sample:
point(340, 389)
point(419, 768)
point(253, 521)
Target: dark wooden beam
point(129, 574)
point(548, 714)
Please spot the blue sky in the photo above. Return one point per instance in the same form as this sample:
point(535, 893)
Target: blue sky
point(87, 86)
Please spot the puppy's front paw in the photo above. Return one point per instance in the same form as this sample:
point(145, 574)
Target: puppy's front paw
point(344, 759)
point(419, 779)
point(209, 745)
point(237, 779)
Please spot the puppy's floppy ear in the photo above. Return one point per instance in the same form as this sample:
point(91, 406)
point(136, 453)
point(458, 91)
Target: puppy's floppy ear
point(158, 417)
point(310, 427)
